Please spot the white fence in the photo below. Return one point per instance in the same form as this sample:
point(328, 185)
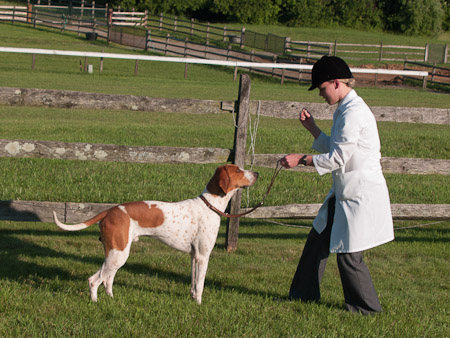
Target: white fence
point(244, 64)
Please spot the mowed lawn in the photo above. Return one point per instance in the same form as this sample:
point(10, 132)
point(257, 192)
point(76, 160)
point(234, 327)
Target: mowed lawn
point(44, 271)
point(44, 290)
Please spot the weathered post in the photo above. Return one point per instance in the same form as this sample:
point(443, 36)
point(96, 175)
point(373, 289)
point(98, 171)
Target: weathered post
point(240, 141)
point(136, 67)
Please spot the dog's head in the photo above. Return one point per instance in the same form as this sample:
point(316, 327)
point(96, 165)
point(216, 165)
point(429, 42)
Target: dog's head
point(230, 177)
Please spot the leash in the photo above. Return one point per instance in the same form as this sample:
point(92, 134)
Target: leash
point(227, 215)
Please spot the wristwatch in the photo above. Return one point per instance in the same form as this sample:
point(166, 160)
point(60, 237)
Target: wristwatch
point(302, 160)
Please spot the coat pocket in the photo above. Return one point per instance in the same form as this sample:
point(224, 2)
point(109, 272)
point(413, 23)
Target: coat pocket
point(348, 186)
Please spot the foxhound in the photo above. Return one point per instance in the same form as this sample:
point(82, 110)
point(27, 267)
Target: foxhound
point(189, 226)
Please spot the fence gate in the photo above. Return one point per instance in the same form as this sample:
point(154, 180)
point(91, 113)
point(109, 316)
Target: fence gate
point(436, 53)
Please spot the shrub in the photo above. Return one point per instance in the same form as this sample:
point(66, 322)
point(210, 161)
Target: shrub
point(413, 17)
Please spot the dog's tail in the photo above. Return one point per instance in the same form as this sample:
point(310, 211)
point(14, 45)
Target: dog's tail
point(79, 226)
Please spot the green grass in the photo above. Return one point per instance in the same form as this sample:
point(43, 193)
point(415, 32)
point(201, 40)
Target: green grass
point(44, 291)
point(158, 79)
point(77, 181)
point(112, 182)
point(43, 271)
point(136, 128)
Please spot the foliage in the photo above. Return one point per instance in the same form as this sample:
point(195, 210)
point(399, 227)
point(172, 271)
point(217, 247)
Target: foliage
point(305, 13)
point(446, 10)
point(413, 17)
point(251, 11)
point(326, 13)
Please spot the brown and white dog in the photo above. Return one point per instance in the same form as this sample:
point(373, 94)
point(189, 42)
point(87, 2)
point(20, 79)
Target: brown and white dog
point(189, 226)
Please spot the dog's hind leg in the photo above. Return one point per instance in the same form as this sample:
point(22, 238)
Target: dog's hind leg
point(94, 281)
point(115, 260)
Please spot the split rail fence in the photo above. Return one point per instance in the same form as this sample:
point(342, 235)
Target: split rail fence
point(75, 212)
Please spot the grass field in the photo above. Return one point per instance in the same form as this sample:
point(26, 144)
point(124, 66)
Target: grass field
point(44, 271)
point(44, 291)
point(159, 79)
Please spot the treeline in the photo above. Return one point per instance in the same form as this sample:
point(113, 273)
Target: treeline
point(413, 17)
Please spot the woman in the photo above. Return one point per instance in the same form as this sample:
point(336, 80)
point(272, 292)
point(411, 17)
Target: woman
point(356, 213)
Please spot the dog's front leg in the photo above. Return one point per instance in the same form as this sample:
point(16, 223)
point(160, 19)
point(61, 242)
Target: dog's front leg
point(193, 273)
point(201, 265)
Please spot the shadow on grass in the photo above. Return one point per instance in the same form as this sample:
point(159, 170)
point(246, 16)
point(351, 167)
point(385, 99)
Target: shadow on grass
point(15, 252)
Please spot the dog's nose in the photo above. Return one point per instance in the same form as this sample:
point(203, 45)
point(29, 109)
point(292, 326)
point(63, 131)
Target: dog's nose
point(256, 174)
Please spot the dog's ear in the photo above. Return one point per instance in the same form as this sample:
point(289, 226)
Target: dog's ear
point(224, 180)
point(219, 183)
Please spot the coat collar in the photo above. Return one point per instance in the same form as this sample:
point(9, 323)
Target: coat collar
point(349, 97)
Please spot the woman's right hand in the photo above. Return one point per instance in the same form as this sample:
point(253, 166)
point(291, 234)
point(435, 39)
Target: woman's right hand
point(307, 120)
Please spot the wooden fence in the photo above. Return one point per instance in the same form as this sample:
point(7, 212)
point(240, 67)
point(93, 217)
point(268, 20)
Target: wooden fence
point(204, 33)
point(368, 52)
point(75, 212)
point(58, 17)
point(145, 39)
point(438, 75)
point(200, 57)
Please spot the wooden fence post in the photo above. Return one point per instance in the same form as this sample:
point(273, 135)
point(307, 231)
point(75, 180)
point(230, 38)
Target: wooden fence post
point(147, 37)
point(136, 67)
point(433, 71)
point(185, 46)
point(240, 141)
point(166, 46)
point(446, 53)
point(242, 41)
point(381, 51)
point(101, 62)
point(29, 13)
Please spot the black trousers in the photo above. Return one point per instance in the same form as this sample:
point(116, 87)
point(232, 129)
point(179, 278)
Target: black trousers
point(359, 292)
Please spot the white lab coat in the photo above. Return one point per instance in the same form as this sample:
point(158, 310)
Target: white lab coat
point(352, 155)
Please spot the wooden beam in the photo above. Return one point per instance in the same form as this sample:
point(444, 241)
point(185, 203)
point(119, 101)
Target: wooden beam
point(110, 152)
point(240, 144)
point(71, 212)
point(277, 109)
point(399, 211)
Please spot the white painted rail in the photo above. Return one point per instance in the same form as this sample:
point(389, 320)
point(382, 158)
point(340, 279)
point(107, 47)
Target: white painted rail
point(243, 64)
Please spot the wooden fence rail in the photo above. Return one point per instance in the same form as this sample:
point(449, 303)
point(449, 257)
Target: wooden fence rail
point(72, 212)
point(162, 154)
point(277, 109)
point(352, 51)
point(439, 75)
